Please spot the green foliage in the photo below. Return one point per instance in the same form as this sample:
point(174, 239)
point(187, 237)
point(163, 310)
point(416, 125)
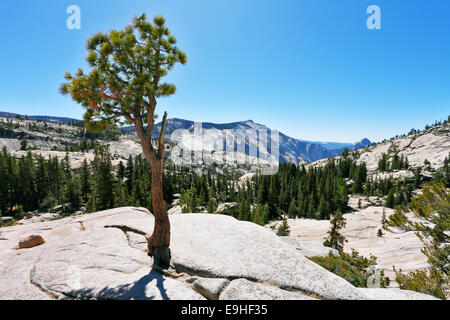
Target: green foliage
point(284, 230)
point(390, 200)
point(260, 215)
point(336, 240)
point(351, 267)
point(127, 67)
point(189, 201)
point(399, 219)
point(24, 145)
point(380, 233)
point(432, 205)
point(424, 281)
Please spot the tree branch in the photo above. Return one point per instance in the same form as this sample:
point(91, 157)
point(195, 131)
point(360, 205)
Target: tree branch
point(161, 137)
point(146, 143)
point(151, 106)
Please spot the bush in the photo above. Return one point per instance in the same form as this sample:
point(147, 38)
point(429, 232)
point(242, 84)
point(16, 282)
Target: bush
point(352, 267)
point(428, 282)
point(284, 230)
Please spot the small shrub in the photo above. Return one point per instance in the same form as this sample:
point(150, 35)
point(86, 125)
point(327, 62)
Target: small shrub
point(283, 229)
point(424, 281)
point(352, 267)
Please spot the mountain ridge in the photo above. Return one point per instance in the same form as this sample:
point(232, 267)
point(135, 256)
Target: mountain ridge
point(290, 149)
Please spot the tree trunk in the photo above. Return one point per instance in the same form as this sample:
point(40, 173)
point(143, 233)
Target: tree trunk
point(159, 241)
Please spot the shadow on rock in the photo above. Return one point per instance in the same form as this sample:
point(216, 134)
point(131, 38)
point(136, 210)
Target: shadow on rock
point(143, 289)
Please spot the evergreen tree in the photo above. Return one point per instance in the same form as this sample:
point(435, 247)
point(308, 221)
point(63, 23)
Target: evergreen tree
point(125, 81)
point(336, 240)
point(390, 199)
point(292, 212)
point(85, 180)
point(284, 230)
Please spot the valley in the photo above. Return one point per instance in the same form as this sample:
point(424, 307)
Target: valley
point(366, 182)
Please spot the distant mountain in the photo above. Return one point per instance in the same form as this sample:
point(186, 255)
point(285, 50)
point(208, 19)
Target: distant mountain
point(333, 145)
point(43, 118)
point(290, 149)
point(362, 143)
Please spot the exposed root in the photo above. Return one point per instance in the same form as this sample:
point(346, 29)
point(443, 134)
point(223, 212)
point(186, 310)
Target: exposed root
point(172, 273)
point(129, 229)
point(125, 230)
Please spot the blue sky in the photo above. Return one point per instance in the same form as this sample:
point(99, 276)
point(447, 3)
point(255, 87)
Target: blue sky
point(310, 68)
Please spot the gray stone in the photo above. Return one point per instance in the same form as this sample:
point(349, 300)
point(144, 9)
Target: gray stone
point(175, 210)
point(210, 288)
point(81, 259)
point(219, 246)
point(394, 294)
point(6, 219)
point(310, 248)
point(226, 206)
point(242, 289)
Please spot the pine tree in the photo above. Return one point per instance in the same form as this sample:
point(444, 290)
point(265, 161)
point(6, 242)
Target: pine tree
point(85, 180)
point(120, 171)
point(104, 179)
point(390, 199)
point(336, 240)
point(129, 174)
point(24, 145)
point(125, 81)
point(379, 233)
point(323, 209)
point(284, 230)
point(73, 193)
point(292, 212)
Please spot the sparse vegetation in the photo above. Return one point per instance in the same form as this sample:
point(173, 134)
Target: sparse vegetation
point(352, 267)
point(335, 239)
point(432, 206)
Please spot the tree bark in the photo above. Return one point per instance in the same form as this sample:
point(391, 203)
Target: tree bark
point(159, 242)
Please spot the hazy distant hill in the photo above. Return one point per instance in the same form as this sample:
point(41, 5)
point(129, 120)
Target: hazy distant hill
point(43, 118)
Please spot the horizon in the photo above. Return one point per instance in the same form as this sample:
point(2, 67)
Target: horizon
point(330, 78)
point(241, 121)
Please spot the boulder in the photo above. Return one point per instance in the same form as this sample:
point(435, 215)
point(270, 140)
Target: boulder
point(174, 210)
point(84, 260)
point(310, 248)
point(30, 242)
point(210, 288)
point(226, 206)
point(6, 219)
point(242, 289)
point(39, 218)
point(219, 246)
